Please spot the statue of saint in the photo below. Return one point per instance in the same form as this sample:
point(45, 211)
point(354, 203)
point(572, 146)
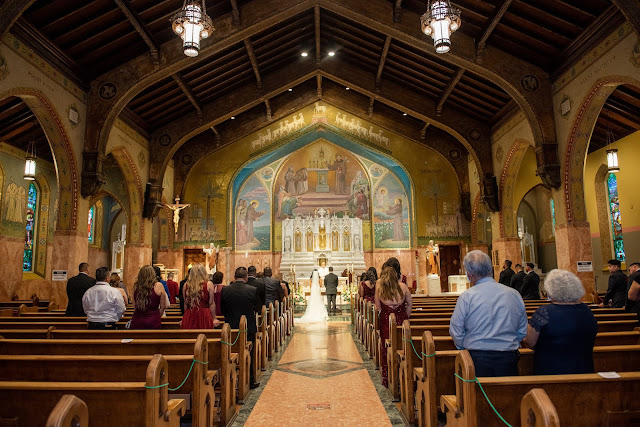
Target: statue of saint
point(433, 258)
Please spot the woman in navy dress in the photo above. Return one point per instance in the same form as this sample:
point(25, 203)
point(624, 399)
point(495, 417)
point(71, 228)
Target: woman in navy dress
point(563, 333)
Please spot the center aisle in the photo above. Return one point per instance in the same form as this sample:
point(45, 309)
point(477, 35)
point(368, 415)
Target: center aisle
point(321, 380)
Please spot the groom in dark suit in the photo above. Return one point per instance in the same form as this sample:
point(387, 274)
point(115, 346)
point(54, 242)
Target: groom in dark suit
point(331, 290)
point(76, 287)
point(240, 299)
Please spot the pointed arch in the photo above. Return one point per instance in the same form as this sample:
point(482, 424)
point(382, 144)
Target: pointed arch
point(63, 157)
point(135, 231)
point(508, 211)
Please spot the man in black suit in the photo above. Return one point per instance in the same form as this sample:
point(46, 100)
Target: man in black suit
point(331, 290)
point(76, 287)
point(272, 288)
point(237, 300)
point(258, 284)
point(518, 278)
point(530, 283)
point(506, 274)
point(180, 290)
point(617, 291)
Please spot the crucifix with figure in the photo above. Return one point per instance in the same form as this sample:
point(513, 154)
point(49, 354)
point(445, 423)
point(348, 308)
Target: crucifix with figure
point(176, 208)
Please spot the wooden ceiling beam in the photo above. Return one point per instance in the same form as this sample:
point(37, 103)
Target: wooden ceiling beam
point(423, 131)
point(447, 91)
point(316, 17)
point(372, 100)
point(188, 93)
point(267, 105)
point(383, 59)
point(397, 11)
point(141, 28)
point(319, 85)
point(631, 11)
point(254, 62)
point(10, 11)
point(482, 43)
point(235, 13)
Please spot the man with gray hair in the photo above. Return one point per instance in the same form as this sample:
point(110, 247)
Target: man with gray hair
point(489, 320)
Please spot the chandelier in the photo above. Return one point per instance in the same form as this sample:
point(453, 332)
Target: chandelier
point(192, 24)
point(30, 162)
point(440, 21)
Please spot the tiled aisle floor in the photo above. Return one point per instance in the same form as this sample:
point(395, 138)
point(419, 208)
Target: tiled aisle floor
point(321, 379)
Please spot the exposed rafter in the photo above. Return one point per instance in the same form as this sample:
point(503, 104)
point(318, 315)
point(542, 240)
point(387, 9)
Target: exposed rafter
point(188, 93)
point(397, 11)
point(267, 105)
point(319, 85)
point(383, 59)
point(235, 13)
point(372, 100)
point(316, 17)
point(10, 11)
point(134, 19)
point(482, 43)
point(254, 61)
point(447, 91)
point(631, 11)
point(423, 131)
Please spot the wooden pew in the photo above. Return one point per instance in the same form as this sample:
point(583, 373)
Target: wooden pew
point(219, 356)
point(580, 400)
point(140, 403)
point(69, 411)
point(78, 368)
point(537, 410)
point(433, 375)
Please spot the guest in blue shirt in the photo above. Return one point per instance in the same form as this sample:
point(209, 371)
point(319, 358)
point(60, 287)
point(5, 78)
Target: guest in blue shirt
point(562, 333)
point(489, 320)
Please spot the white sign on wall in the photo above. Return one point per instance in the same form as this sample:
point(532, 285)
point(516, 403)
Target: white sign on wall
point(59, 276)
point(585, 266)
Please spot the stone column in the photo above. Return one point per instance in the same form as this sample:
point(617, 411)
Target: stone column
point(11, 252)
point(507, 248)
point(225, 263)
point(135, 256)
point(573, 244)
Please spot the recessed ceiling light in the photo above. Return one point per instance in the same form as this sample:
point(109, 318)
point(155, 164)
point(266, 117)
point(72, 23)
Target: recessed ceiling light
point(290, 89)
point(332, 53)
point(233, 117)
point(304, 54)
point(348, 88)
point(404, 114)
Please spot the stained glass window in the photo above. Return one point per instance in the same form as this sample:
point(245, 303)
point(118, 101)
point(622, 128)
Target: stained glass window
point(29, 237)
point(553, 217)
point(90, 224)
point(616, 220)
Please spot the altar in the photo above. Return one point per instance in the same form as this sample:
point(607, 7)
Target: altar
point(343, 289)
point(306, 241)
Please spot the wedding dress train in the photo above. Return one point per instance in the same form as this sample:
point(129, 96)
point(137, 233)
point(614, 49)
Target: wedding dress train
point(316, 310)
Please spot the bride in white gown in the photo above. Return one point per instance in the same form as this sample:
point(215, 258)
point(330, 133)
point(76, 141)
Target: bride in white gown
point(316, 310)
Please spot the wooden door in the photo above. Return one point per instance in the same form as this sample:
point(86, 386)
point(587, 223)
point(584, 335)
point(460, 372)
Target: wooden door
point(192, 256)
point(449, 265)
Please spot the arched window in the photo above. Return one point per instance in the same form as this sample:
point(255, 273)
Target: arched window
point(553, 217)
point(616, 220)
point(29, 237)
point(91, 224)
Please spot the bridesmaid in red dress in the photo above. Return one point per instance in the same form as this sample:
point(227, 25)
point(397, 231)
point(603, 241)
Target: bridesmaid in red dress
point(150, 300)
point(392, 296)
point(199, 298)
point(217, 279)
point(367, 288)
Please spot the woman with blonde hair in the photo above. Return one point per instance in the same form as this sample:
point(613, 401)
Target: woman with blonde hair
point(392, 296)
point(150, 300)
point(199, 301)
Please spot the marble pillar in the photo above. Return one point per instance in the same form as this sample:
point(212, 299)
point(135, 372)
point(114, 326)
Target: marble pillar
point(69, 250)
point(508, 248)
point(135, 256)
point(573, 244)
point(172, 259)
point(225, 263)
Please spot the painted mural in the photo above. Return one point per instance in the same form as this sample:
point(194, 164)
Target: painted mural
point(253, 219)
point(391, 214)
point(322, 175)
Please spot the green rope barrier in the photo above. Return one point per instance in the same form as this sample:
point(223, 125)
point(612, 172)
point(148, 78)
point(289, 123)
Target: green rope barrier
point(234, 343)
point(416, 352)
point(261, 323)
point(193, 362)
point(475, 380)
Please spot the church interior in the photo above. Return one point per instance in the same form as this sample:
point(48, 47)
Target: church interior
point(288, 134)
